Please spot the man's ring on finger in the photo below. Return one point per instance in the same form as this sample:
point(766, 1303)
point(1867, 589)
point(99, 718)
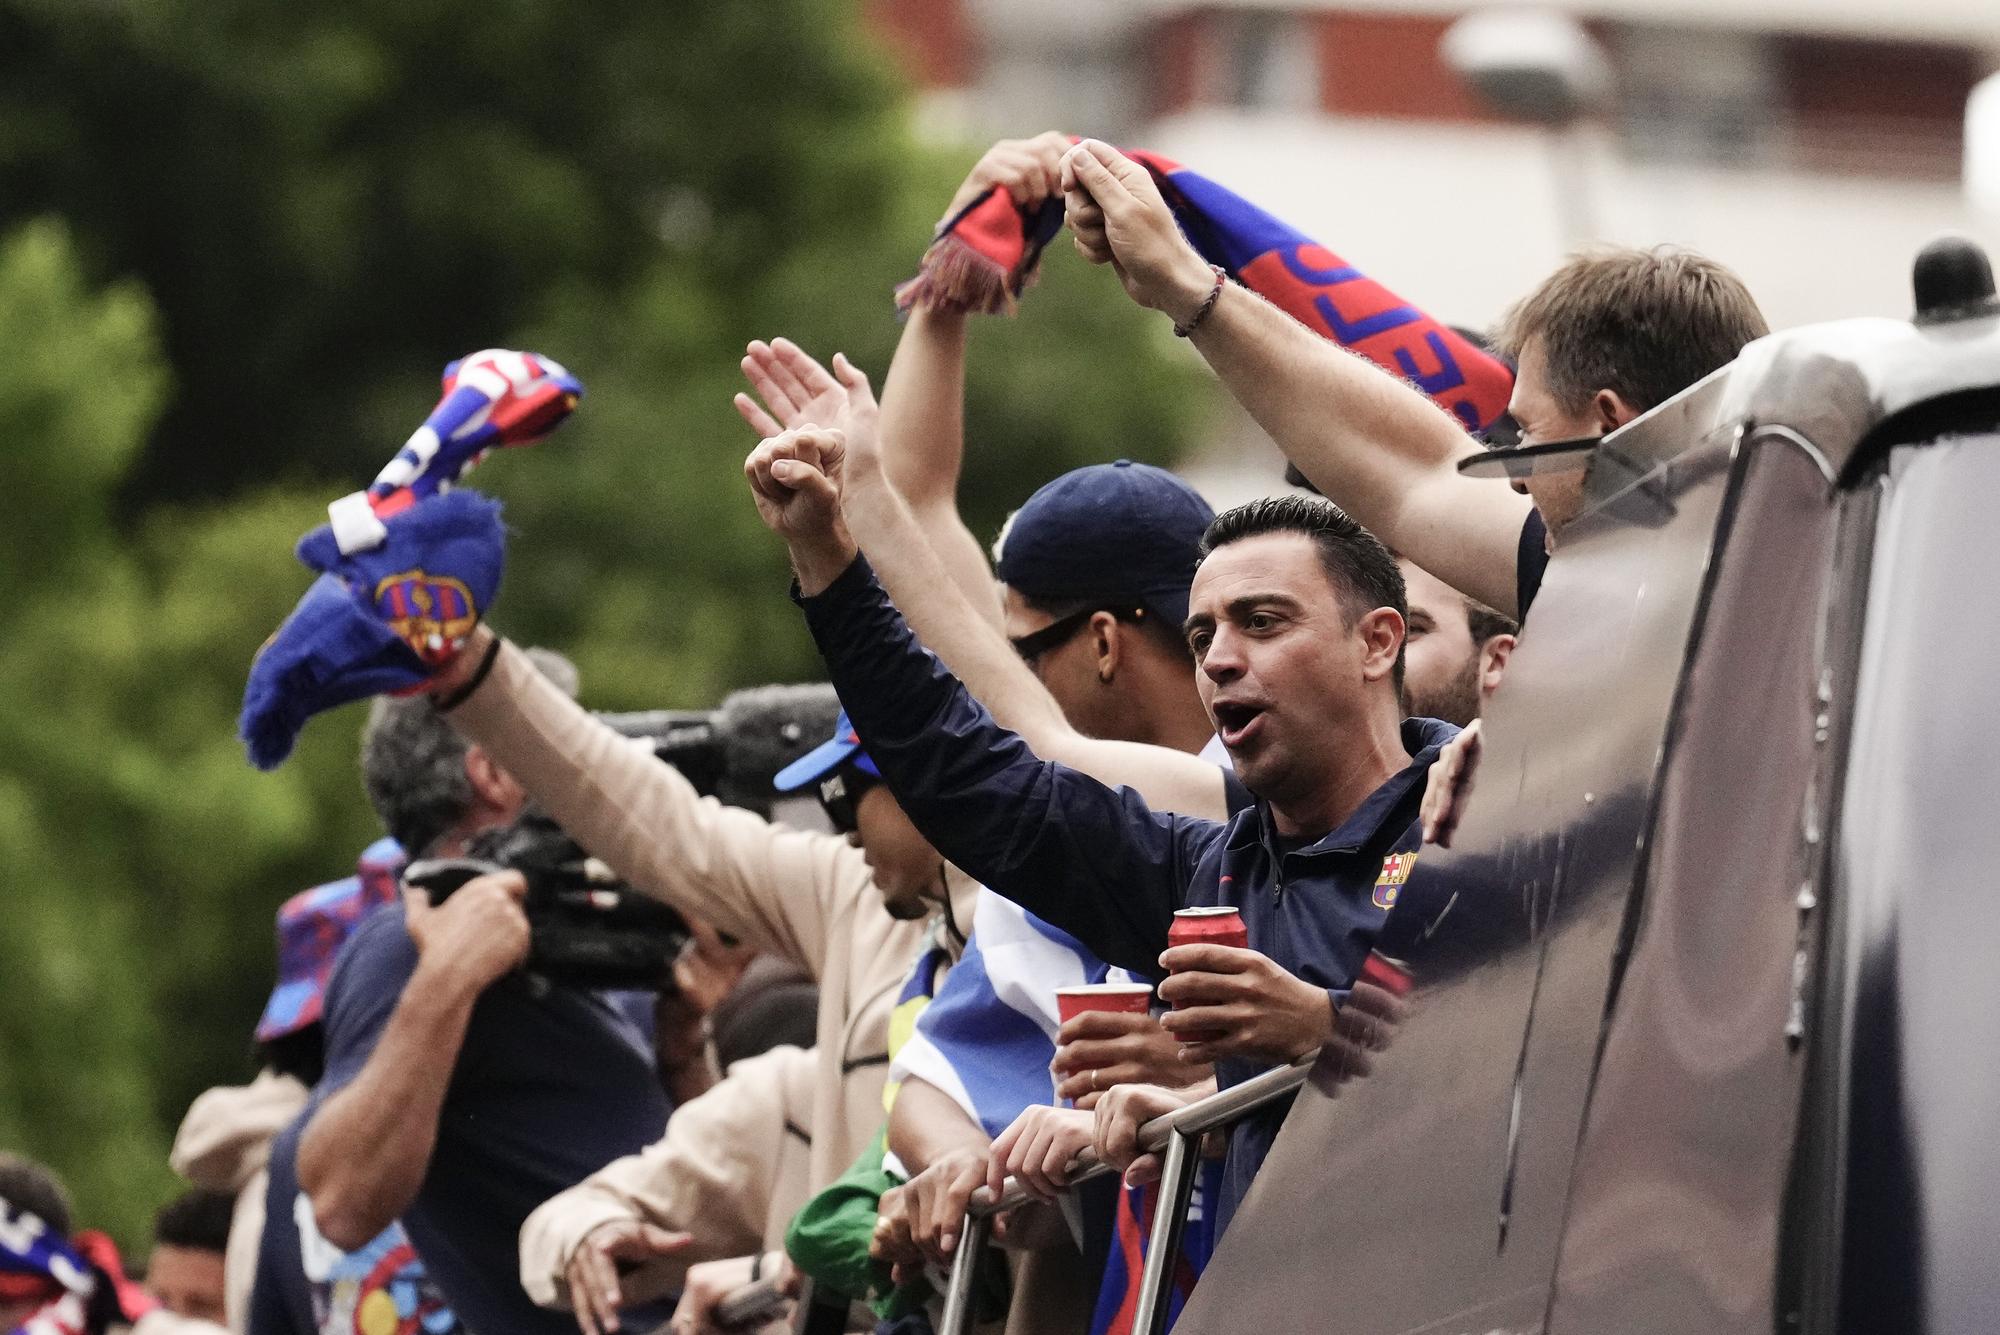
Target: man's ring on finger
point(1095, 1071)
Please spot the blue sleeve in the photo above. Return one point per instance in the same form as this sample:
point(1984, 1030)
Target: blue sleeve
point(1093, 860)
point(367, 982)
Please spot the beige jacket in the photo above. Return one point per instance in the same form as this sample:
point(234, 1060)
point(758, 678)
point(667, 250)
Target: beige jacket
point(223, 1145)
point(807, 897)
point(732, 1170)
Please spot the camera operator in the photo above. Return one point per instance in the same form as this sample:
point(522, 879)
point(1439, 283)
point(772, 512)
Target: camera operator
point(459, 1093)
point(856, 912)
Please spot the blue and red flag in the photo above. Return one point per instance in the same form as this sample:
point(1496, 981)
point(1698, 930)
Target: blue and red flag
point(984, 257)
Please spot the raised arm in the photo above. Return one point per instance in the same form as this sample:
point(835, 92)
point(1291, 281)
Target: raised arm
point(923, 397)
point(1374, 444)
point(771, 887)
point(1091, 859)
point(932, 595)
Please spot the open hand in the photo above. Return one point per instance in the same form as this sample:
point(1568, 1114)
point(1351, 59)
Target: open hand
point(593, 1270)
point(1118, 216)
point(1240, 1003)
point(798, 392)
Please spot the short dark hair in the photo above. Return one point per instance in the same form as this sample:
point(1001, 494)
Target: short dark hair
point(1363, 571)
point(1645, 324)
point(28, 1185)
point(413, 762)
point(197, 1220)
point(1485, 623)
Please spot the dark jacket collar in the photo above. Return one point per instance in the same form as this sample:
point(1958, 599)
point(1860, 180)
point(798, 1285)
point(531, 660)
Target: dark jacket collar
point(1422, 739)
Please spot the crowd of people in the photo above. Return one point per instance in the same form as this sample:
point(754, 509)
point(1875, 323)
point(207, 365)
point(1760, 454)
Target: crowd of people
point(1133, 707)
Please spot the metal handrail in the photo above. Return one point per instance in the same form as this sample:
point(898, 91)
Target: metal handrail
point(1198, 1118)
point(1174, 1135)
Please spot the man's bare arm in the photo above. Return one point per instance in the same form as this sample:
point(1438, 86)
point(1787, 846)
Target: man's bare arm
point(1375, 445)
point(923, 430)
point(366, 1150)
point(927, 1124)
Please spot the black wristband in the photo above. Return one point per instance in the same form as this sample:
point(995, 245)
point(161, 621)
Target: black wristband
point(757, 1267)
point(1194, 321)
point(458, 697)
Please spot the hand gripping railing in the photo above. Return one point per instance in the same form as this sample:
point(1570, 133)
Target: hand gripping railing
point(1175, 1136)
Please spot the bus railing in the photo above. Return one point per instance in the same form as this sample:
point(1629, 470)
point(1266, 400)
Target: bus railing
point(1175, 1136)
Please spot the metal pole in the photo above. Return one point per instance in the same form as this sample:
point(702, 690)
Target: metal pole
point(1177, 1172)
point(958, 1298)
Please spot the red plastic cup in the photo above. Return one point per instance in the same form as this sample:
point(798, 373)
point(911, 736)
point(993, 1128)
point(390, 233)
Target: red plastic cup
point(1121, 998)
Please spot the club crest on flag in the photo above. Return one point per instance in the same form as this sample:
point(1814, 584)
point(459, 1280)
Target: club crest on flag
point(431, 613)
point(1396, 869)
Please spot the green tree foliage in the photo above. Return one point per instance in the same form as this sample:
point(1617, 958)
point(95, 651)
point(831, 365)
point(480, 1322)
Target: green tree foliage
point(325, 204)
point(139, 853)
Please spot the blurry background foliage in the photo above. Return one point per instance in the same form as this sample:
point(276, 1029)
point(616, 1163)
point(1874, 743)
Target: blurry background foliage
point(238, 241)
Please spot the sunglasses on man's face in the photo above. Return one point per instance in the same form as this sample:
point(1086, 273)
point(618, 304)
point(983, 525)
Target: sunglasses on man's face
point(1063, 629)
point(840, 792)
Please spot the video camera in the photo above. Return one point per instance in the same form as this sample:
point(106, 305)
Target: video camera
point(586, 927)
point(732, 753)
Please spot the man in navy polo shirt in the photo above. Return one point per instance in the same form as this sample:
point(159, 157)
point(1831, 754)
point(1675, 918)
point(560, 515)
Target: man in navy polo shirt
point(1296, 626)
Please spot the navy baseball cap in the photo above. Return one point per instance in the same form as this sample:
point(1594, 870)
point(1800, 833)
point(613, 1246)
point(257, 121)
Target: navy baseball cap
point(1120, 531)
point(844, 746)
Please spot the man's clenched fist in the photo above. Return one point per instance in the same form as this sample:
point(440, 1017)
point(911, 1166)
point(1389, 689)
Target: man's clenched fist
point(796, 479)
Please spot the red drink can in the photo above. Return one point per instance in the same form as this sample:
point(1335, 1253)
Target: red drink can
point(1391, 975)
point(1217, 925)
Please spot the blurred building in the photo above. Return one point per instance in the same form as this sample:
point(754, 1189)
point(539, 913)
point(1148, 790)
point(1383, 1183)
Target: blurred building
point(1811, 144)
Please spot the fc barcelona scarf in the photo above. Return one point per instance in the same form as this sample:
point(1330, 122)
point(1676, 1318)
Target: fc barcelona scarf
point(984, 257)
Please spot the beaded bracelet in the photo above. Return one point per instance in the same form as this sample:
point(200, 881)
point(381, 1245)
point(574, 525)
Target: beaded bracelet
point(1194, 321)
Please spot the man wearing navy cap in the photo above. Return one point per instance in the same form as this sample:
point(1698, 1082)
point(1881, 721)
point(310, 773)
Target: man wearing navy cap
point(1095, 570)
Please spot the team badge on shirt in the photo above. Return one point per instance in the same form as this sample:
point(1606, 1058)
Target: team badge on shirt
point(1396, 869)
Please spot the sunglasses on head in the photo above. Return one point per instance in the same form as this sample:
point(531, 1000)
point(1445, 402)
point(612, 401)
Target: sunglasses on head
point(1063, 629)
point(840, 792)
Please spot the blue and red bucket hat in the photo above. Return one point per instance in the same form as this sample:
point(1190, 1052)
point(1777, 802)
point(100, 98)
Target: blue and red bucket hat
point(312, 927)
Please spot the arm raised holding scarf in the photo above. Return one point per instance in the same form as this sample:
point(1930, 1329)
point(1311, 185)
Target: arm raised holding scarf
point(1372, 442)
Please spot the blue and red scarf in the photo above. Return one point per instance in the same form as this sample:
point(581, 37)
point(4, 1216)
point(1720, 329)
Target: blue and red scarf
point(984, 257)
